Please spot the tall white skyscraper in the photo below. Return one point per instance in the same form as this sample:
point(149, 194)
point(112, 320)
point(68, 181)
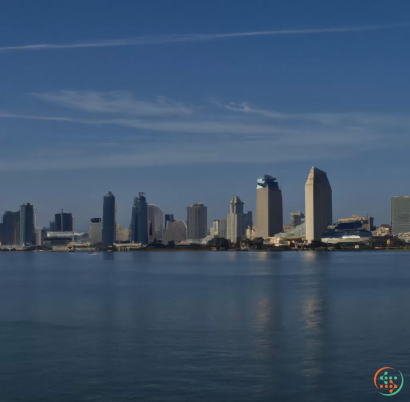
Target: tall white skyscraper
point(318, 204)
point(235, 221)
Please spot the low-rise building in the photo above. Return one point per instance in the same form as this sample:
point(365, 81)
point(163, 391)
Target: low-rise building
point(123, 235)
point(383, 230)
point(366, 222)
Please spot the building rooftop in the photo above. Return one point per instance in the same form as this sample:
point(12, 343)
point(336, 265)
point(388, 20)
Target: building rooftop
point(236, 200)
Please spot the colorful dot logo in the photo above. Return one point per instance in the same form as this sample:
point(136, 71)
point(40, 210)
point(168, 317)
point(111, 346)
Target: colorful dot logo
point(388, 381)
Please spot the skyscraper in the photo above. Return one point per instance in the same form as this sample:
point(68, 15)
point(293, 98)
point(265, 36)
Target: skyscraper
point(139, 220)
point(197, 217)
point(269, 210)
point(235, 221)
point(109, 220)
point(27, 224)
point(155, 217)
point(248, 221)
point(318, 204)
point(400, 214)
point(16, 231)
point(64, 222)
point(222, 228)
point(11, 228)
point(95, 234)
point(7, 228)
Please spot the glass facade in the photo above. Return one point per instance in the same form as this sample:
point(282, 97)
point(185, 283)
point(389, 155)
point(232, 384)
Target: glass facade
point(400, 214)
point(109, 220)
point(27, 225)
point(139, 220)
point(64, 222)
point(11, 228)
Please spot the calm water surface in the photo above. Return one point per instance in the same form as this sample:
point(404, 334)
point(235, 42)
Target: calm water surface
point(202, 326)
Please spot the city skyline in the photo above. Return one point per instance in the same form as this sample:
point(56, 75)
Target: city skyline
point(150, 225)
point(69, 217)
point(133, 97)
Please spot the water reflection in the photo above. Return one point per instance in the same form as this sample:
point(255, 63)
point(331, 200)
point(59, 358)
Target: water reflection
point(314, 332)
point(269, 255)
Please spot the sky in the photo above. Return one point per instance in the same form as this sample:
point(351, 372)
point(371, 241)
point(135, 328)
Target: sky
point(194, 100)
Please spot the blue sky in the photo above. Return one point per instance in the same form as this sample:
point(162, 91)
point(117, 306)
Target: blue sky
point(194, 100)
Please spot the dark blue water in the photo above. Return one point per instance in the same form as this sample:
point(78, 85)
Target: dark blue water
point(202, 326)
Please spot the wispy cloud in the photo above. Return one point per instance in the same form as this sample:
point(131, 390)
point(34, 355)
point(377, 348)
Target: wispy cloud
point(164, 132)
point(167, 39)
point(245, 130)
point(189, 127)
point(182, 154)
point(326, 119)
point(29, 117)
point(115, 102)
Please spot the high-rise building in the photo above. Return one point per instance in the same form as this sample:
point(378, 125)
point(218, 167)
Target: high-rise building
point(235, 221)
point(16, 230)
point(155, 218)
point(248, 221)
point(139, 220)
point(218, 228)
point(64, 222)
point(27, 224)
point(109, 220)
point(197, 217)
point(52, 226)
point(318, 204)
point(168, 218)
point(222, 228)
point(269, 210)
point(11, 228)
point(95, 234)
point(400, 214)
point(296, 218)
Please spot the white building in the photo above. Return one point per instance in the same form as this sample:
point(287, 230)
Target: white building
point(95, 234)
point(235, 220)
point(318, 204)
